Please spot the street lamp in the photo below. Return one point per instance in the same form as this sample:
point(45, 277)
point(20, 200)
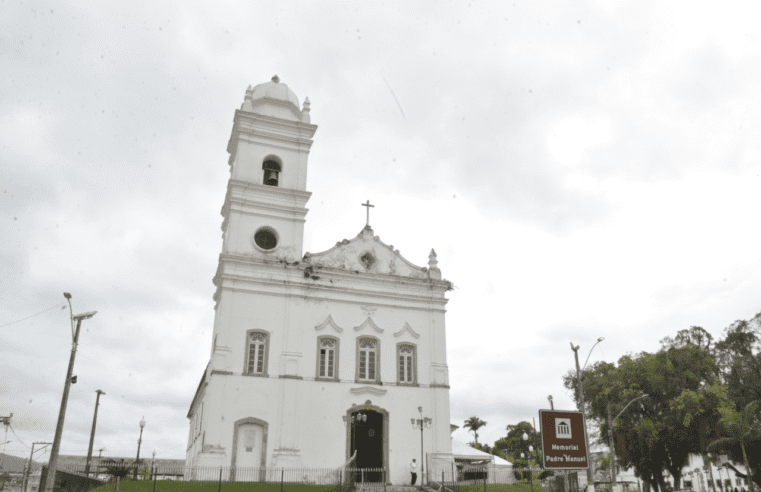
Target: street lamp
point(610, 440)
point(92, 432)
point(421, 423)
point(100, 453)
point(53, 463)
point(353, 422)
point(530, 471)
point(139, 442)
point(575, 348)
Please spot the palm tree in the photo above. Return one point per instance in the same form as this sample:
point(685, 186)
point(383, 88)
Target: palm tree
point(740, 425)
point(474, 423)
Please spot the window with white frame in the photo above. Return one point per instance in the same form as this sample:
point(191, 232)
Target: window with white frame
point(327, 358)
point(257, 353)
point(406, 363)
point(367, 360)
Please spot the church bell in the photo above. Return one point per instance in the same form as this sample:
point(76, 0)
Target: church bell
point(270, 177)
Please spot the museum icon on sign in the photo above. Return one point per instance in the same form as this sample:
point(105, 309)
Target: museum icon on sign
point(562, 428)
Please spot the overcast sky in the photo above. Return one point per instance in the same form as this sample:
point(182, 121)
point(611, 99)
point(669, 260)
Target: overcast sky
point(583, 169)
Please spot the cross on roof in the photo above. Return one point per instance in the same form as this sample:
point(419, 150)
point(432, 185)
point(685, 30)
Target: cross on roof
point(368, 210)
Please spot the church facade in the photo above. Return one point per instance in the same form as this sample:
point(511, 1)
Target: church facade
point(316, 358)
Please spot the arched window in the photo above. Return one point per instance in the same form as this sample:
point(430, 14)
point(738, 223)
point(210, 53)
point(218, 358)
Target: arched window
point(407, 368)
point(256, 355)
point(367, 359)
point(271, 172)
point(327, 358)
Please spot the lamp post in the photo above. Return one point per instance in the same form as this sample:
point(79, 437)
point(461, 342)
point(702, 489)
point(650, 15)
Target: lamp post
point(575, 348)
point(421, 423)
point(100, 452)
point(53, 463)
point(153, 464)
point(610, 440)
point(355, 420)
point(530, 471)
point(139, 442)
point(92, 432)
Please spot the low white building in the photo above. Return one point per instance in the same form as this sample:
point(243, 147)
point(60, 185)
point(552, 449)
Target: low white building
point(304, 344)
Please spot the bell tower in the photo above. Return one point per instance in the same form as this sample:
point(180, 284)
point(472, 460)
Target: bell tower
point(265, 205)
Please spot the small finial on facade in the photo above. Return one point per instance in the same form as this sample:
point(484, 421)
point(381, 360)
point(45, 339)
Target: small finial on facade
point(432, 261)
point(249, 94)
point(276, 79)
point(305, 111)
point(433, 271)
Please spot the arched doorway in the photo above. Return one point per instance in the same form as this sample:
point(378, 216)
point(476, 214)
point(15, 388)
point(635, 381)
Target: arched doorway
point(368, 435)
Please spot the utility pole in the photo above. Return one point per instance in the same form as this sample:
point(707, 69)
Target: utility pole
point(100, 452)
point(53, 463)
point(6, 421)
point(92, 432)
point(28, 468)
point(566, 485)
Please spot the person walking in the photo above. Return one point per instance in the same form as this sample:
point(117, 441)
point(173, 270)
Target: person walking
point(413, 471)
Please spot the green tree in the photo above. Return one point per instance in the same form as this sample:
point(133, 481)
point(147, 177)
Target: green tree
point(474, 423)
point(117, 469)
point(5, 478)
point(739, 360)
point(738, 357)
point(743, 428)
point(659, 432)
point(513, 444)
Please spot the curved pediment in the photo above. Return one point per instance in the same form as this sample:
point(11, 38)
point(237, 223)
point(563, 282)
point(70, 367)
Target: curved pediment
point(407, 329)
point(329, 323)
point(368, 254)
point(369, 323)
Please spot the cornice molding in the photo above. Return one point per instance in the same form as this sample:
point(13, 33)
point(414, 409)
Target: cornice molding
point(329, 322)
point(417, 303)
point(442, 285)
point(407, 328)
point(369, 322)
point(268, 190)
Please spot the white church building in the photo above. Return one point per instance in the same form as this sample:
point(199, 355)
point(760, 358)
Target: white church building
point(314, 356)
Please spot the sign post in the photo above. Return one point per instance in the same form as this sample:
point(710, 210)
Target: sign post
point(564, 445)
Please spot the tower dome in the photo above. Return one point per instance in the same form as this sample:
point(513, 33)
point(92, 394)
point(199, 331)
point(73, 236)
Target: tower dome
point(275, 90)
point(275, 99)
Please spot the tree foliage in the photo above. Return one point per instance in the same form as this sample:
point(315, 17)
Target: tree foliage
point(474, 423)
point(118, 469)
point(659, 432)
point(513, 444)
point(742, 438)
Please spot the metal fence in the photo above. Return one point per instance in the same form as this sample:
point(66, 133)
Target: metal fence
point(497, 478)
point(482, 478)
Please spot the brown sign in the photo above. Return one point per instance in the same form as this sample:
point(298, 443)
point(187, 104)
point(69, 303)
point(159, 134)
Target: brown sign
point(564, 445)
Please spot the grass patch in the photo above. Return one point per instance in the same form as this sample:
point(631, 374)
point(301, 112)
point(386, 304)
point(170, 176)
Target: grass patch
point(178, 486)
point(497, 487)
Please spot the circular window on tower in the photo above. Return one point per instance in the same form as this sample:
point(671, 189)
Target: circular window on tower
point(265, 238)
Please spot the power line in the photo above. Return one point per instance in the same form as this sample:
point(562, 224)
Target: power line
point(17, 437)
point(32, 316)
